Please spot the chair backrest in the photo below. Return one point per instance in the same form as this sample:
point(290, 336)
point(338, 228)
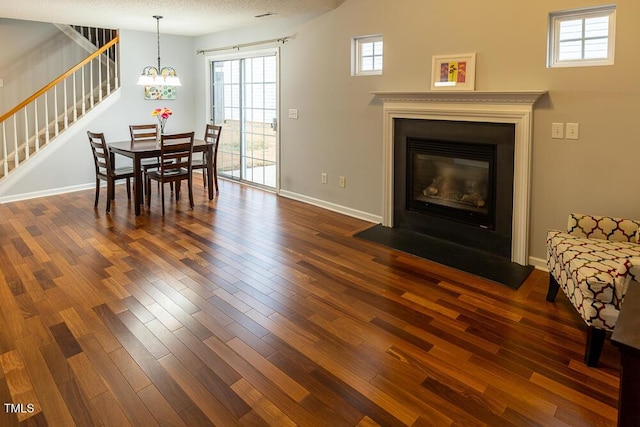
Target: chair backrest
point(212, 136)
point(101, 155)
point(143, 132)
point(176, 151)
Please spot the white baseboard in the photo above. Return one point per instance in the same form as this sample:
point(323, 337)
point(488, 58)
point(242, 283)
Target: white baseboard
point(50, 192)
point(366, 216)
point(539, 263)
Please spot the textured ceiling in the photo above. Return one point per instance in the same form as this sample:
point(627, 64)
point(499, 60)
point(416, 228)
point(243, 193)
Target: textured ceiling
point(183, 17)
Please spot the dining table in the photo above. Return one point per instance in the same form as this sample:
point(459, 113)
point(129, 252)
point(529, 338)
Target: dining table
point(148, 149)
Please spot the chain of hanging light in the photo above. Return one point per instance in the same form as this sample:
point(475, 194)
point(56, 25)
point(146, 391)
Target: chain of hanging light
point(158, 76)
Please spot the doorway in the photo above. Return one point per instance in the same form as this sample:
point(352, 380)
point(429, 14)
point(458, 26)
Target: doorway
point(244, 101)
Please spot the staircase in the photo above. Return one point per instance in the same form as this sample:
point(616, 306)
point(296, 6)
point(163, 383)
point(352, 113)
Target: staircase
point(38, 120)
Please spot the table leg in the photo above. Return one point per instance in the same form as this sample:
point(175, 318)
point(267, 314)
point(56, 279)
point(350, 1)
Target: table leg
point(137, 172)
point(210, 183)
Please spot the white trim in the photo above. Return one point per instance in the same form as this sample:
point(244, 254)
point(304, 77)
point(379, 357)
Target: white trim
point(365, 216)
point(495, 107)
point(539, 264)
point(50, 192)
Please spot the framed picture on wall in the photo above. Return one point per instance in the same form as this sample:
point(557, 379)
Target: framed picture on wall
point(454, 72)
point(160, 92)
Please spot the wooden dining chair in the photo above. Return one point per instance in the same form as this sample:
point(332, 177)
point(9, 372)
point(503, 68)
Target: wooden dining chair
point(176, 152)
point(211, 136)
point(142, 133)
point(106, 170)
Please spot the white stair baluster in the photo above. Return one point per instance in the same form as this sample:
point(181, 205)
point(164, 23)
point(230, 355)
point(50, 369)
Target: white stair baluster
point(55, 110)
point(75, 99)
point(16, 159)
point(35, 123)
point(26, 134)
point(84, 92)
point(65, 108)
point(4, 149)
point(46, 118)
point(91, 84)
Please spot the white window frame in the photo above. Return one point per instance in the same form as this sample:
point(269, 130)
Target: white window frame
point(356, 55)
point(556, 18)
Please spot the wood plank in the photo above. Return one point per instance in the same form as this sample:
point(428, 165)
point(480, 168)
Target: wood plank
point(214, 410)
point(258, 310)
point(20, 385)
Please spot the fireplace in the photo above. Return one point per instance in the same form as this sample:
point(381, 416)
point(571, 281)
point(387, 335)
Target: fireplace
point(453, 180)
point(505, 214)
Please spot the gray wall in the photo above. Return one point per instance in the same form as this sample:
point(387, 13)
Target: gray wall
point(37, 53)
point(340, 126)
point(71, 165)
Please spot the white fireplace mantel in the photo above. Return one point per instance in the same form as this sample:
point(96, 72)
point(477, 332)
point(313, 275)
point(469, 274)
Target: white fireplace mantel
point(514, 107)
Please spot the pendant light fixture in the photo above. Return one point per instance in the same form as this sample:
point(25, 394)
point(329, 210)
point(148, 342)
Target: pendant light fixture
point(152, 76)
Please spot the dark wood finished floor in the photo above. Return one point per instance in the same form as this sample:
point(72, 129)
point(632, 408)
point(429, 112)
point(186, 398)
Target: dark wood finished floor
point(257, 310)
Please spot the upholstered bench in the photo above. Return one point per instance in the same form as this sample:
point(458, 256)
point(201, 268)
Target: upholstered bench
point(594, 262)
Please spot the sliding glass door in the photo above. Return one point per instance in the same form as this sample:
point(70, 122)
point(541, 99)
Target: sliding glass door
point(244, 100)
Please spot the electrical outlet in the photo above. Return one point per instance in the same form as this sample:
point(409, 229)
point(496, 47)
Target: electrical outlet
point(572, 130)
point(324, 178)
point(293, 113)
point(342, 182)
point(557, 130)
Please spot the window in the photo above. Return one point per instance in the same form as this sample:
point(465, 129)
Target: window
point(366, 56)
point(581, 37)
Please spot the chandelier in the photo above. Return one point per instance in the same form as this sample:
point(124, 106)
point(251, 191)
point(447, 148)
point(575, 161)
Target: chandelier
point(157, 76)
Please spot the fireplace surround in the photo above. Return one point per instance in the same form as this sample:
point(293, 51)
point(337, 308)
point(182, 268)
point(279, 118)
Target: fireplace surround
point(514, 109)
point(453, 180)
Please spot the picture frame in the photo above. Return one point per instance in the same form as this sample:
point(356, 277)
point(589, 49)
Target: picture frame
point(454, 72)
point(160, 92)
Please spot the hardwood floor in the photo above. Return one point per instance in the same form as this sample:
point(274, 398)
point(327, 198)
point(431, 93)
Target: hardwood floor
point(258, 310)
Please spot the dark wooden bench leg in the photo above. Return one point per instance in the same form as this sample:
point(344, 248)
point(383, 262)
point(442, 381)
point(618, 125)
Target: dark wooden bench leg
point(595, 342)
point(552, 292)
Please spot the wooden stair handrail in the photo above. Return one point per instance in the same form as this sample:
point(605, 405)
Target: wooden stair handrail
point(60, 78)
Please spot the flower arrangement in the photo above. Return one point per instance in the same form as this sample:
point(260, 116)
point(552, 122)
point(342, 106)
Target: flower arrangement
point(162, 114)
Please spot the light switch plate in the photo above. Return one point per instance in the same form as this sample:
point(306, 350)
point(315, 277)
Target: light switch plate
point(557, 130)
point(572, 130)
point(293, 113)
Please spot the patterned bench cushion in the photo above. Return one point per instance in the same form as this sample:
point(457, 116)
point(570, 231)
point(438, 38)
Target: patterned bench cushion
point(604, 228)
point(600, 269)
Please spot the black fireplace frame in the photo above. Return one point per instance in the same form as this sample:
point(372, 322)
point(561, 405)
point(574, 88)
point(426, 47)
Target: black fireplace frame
point(495, 239)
